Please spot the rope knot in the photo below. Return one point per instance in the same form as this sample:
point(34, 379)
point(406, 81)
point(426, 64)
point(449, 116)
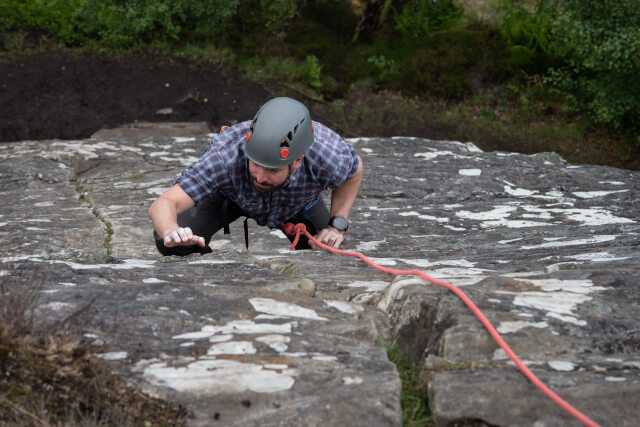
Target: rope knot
point(293, 230)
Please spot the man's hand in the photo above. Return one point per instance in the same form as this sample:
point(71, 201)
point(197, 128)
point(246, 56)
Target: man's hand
point(182, 237)
point(329, 236)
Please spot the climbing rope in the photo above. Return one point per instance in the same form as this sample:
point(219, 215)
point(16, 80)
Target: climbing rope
point(298, 229)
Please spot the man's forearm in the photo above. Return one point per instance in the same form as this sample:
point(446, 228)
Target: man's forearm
point(164, 216)
point(164, 211)
point(343, 197)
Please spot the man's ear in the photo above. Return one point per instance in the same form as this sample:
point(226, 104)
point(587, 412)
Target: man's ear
point(297, 162)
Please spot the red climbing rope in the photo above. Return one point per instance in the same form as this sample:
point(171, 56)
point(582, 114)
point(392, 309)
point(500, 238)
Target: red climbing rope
point(298, 229)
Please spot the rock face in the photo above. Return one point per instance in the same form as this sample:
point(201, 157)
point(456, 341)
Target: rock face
point(547, 250)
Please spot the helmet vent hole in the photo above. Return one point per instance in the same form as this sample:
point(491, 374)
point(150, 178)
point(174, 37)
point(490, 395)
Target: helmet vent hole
point(295, 129)
point(289, 136)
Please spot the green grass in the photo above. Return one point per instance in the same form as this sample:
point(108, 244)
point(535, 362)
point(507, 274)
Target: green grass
point(414, 398)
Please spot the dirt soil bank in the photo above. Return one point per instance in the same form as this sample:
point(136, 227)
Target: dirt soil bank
point(67, 96)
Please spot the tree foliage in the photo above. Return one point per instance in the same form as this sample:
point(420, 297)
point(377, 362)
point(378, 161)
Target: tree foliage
point(599, 44)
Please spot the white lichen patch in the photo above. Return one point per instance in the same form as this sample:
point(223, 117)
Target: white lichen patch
point(554, 303)
point(587, 216)
point(425, 217)
point(578, 242)
point(232, 347)
point(432, 155)
point(208, 376)
point(519, 192)
point(284, 309)
point(450, 227)
point(113, 355)
point(470, 172)
point(594, 194)
point(498, 213)
point(384, 261)
point(369, 246)
point(352, 380)
point(128, 264)
point(561, 365)
point(370, 286)
point(86, 149)
point(358, 140)
point(509, 327)
point(56, 306)
point(275, 341)
point(211, 262)
point(611, 182)
point(596, 257)
point(240, 327)
point(460, 276)
point(500, 354)
point(323, 357)
point(615, 379)
point(504, 242)
point(152, 280)
point(567, 319)
point(344, 306)
point(574, 286)
point(423, 263)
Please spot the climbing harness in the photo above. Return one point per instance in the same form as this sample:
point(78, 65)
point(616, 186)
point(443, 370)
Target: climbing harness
point(298, 229)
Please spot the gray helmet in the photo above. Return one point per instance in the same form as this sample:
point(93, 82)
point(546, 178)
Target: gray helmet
point(280, 132)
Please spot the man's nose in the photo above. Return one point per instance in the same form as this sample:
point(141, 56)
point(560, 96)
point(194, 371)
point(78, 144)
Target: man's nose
point(261, 176)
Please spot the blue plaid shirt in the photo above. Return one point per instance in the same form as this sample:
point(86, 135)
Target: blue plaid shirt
point(327, 164)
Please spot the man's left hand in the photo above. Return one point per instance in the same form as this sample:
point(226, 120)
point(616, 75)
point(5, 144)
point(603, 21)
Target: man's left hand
point(329, 236)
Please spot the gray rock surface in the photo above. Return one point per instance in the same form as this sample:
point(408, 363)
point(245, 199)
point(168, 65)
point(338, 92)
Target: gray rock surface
point(548, 251)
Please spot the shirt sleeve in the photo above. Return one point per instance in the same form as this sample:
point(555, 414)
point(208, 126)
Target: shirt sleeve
point(204, 177)
point(336, 160)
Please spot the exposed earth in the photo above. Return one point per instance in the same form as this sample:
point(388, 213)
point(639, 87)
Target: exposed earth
point(67, 96)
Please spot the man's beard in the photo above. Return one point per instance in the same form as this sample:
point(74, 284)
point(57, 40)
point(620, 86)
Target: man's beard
point(271, 188)
point(266, 189)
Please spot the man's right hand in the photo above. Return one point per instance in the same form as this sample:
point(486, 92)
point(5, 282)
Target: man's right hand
point(183, 236)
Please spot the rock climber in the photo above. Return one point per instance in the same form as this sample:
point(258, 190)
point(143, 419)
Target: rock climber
point(272, 169)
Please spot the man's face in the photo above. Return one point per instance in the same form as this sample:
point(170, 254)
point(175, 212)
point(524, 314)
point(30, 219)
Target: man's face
point(267, 179)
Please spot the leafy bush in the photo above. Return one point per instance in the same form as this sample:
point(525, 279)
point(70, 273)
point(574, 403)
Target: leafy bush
point(118, 23)
point(599, 42)
point(419, 18)
point(450, 64)
point(526, 35)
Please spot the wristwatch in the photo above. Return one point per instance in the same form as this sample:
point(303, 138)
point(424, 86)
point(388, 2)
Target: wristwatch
point(338, 222)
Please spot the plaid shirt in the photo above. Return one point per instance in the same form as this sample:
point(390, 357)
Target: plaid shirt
point(328, 163)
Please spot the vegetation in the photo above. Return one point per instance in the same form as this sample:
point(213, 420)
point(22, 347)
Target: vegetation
point(50, 377)
point(414, 399)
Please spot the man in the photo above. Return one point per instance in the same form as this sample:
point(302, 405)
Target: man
point(271, 169)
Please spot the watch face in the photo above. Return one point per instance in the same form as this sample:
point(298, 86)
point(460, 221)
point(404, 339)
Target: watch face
point(339, 223)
